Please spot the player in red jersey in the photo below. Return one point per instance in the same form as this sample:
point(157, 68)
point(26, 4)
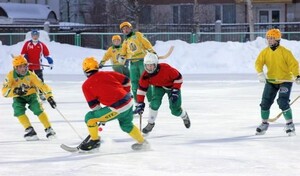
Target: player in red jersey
point(112, 90)
point(33, 50)
point(166, 80)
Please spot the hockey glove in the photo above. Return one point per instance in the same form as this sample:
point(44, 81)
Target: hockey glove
point(20, 91)
point(298, 80)
point(139, 108)
point(52, 102)
point(50, 62)
point(121, 59)
point(51, 66)
point(174, 95)
point(262, 77)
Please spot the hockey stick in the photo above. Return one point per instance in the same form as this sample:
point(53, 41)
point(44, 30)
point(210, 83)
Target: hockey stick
point(279, 80)
point(68, 123)
point(167, 54)
point(279, 115)
point(112, 65)
point(43, 65)
point(159, 57)
point(76, 149)
point(140, 122)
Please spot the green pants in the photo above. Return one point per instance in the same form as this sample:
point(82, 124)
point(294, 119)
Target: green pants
point(122, 69)
point(136, 71)
point(106, 114)
point(19, 105)
point(158, 93)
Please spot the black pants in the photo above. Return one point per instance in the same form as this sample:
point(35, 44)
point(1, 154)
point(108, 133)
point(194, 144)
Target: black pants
point(39, 73)
point(270, 92)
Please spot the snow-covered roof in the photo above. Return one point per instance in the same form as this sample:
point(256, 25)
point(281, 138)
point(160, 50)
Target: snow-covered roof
point(26, 13)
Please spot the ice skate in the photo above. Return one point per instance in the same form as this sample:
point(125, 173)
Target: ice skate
point(186, 121)
point(30, 134)
point(50, 133)
point(290, 129)
point(141, 146)
point(148, 128)
point(262, 128)
point(90, 146)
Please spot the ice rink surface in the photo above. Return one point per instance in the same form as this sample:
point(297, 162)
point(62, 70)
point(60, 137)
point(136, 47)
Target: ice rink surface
point(224, 112)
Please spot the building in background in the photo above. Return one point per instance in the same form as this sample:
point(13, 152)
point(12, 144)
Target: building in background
point(169, 11)
point(18, 13)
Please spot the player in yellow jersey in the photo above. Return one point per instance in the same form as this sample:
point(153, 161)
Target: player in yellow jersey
point(134, 48)
point(281, 65)
point(22, 85)
point(113, 53)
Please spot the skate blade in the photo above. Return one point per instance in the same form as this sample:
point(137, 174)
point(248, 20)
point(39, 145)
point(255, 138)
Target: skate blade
point(32, 138)
point(260, 133)
point(291, 134)
point(145, 134)
point(52, 137)
point(141, 147)
point(95, 150)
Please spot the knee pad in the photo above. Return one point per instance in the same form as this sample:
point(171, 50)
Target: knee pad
point(283, 104)
point(265, 105)
point(126, 127)
point(176, 112)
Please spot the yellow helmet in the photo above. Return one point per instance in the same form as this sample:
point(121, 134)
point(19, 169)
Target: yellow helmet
point(19, 60)
point(125, 24)
point(116, 37)
point(274, 33)
point(90, 64)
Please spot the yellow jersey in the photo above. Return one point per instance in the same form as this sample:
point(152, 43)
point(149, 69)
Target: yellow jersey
point(281, 63)
point(30, 81)
point(113, 54)
point(136, 46)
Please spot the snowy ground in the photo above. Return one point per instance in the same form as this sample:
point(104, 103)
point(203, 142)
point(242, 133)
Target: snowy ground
point(224, 113)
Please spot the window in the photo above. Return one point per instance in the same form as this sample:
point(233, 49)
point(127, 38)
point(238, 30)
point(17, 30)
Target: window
point(269, 16)
point(186, 14)
point(275, 16)
point(145, 17)
point(183, 14)
point(225, 13)
point(263, 16)
point(218, 13)
point(175, 15)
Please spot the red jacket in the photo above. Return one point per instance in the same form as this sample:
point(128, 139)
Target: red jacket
point(33, 53)
point(108, 88)
point(165, 76)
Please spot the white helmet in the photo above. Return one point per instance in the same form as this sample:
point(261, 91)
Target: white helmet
point(150, 58)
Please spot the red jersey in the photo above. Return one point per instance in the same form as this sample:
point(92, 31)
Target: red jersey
point(33, 52)
point(165, 76)
point(108, 88)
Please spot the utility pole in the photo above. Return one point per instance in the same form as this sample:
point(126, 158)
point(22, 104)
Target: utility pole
point(68, 10)
point(250, 19)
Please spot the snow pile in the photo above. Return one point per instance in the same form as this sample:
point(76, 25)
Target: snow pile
point(206, 57)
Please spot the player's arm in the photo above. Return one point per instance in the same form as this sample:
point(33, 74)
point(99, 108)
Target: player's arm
point(124, 80)
point(145, 42)
point(37, 82)
point(106, 57)
point(92, 101)
point(142, 90)
point(46, 54)
point(293, 64)
point(7, 89)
